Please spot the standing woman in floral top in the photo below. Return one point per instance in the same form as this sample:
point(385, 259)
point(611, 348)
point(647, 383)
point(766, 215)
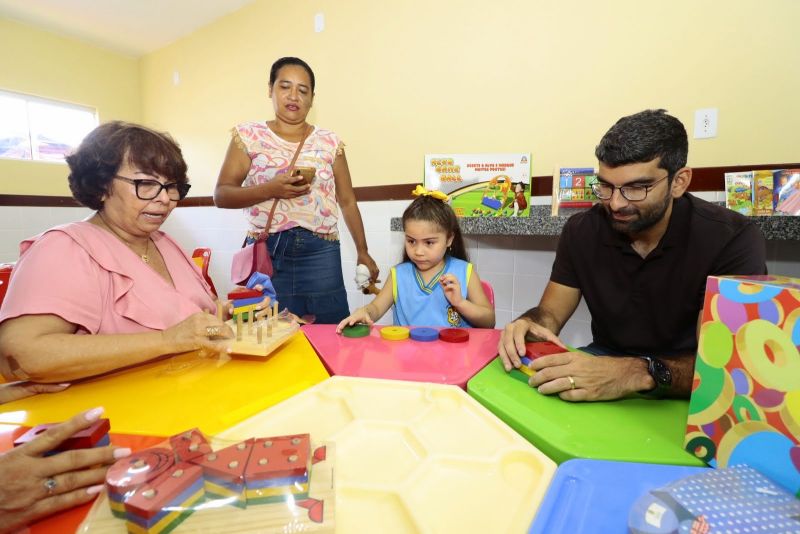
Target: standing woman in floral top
point(303, 237)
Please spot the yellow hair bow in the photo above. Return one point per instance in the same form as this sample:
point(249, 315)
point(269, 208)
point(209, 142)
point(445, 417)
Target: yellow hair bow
point(422, 192)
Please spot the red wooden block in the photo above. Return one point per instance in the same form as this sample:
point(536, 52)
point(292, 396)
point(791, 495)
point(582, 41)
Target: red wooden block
point(154, 496)
point(85, 439)
point(542, 348)
point(244, 294)
point(227, 464)
point(129, 473)
point(189, 445)
point(279, 457)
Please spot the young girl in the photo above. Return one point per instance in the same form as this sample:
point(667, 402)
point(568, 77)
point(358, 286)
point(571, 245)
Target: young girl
point(435, 285)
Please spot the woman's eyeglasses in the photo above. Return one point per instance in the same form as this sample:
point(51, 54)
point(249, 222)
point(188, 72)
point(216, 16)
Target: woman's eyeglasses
point(634, 193)
point(150, 189)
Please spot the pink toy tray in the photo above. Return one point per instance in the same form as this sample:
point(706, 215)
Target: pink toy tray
point(421, 361)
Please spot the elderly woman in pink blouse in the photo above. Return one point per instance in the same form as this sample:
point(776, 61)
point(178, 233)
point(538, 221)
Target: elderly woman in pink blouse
point(303, 231)
point(113, 290)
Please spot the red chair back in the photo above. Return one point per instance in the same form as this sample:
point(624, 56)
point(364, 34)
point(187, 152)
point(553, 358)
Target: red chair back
point(202, 257)
point(5, 276)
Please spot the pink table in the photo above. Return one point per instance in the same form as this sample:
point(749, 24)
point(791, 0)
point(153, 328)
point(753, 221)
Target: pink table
point(421, 361)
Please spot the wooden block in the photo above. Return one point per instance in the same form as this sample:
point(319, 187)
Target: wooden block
point(128, 474)
point(228, 464)
point(542, 348)
point(244, 309)
point(171, 489)
point(189, 445)
point(279, 457)
point(238, 303)
point(85, 439)
point(244, 294)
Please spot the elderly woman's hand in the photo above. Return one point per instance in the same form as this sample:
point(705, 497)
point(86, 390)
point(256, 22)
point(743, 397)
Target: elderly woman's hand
point(198, 331)
point(33, 486)
point(284, 186)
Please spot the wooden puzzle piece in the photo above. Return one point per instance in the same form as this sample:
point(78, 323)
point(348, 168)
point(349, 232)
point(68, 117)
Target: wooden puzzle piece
point(189, 445)
point(95, 435)
point(244, 293)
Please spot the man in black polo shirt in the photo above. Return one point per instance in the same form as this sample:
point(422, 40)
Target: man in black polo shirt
point(640, 258)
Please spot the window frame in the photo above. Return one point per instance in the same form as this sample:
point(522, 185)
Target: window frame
point(33, 132)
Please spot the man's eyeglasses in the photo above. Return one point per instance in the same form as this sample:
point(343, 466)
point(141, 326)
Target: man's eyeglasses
point(150, 189)
point(634, 193)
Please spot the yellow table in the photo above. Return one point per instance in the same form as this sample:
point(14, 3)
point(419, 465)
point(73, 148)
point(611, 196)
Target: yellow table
point(169, 396)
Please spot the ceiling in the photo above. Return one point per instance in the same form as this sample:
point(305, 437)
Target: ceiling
point(131, 27)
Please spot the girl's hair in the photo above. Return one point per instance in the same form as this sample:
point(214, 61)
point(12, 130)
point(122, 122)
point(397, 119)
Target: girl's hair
point(438, 212)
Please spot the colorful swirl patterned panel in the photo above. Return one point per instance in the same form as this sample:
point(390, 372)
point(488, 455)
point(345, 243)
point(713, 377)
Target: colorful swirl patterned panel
point(745, 405)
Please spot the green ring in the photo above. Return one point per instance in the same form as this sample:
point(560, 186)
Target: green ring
point(356, 330)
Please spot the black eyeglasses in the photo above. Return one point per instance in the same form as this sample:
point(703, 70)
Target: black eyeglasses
point(634, 193)
point(150, 189)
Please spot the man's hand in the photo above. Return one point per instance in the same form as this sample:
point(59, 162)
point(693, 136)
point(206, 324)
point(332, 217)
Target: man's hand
point(576, 376)
point(512, 340)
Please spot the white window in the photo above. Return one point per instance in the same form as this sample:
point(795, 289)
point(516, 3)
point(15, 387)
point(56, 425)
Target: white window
point(41, 129)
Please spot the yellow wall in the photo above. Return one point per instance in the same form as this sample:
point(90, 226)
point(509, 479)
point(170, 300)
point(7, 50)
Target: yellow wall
point(400, 79)
point(43, 64)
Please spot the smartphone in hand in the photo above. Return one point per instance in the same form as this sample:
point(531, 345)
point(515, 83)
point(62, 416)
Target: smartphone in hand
point(307, 173)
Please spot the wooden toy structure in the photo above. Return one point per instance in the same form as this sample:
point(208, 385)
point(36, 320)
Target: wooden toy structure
point(259, 334)
point(156, 490)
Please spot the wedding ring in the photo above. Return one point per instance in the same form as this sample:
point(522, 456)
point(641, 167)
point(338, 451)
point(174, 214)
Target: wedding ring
point(212, 331)
point(50, 485)
point(571, 382)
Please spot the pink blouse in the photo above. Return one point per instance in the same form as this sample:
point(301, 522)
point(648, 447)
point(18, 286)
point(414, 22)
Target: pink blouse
point(85, 275)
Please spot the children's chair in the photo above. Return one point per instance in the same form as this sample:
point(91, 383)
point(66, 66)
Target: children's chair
point(487, 288)
point(5, 276)
point(202, 257)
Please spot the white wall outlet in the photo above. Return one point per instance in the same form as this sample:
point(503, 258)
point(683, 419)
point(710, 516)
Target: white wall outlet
point(319, 22)
point(705, 123)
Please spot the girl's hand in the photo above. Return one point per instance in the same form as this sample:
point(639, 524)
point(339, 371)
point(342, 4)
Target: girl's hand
point(452, 289)
point(198, 331)
point(361, 315)
point(284, 186)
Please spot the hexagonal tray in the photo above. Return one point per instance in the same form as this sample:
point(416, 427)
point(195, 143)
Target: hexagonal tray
point(414, 457)
point(424, 361)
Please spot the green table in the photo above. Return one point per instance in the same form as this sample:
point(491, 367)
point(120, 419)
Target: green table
point(630, 430)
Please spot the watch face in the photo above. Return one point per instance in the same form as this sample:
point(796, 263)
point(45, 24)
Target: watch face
point(660, 373)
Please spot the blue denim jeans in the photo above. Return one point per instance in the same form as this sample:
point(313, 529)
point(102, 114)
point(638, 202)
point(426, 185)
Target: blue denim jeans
point(308, 275)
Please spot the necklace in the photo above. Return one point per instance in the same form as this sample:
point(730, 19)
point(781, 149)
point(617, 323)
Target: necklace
point(145, 257)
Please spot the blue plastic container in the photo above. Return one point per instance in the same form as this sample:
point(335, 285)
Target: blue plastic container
point(591, 496)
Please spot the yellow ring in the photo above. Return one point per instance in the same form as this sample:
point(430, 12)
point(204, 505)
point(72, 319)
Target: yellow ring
point(571, 382)
point(394, 333)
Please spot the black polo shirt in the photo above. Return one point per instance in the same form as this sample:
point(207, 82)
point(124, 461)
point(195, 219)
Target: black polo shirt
point(650, 305)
